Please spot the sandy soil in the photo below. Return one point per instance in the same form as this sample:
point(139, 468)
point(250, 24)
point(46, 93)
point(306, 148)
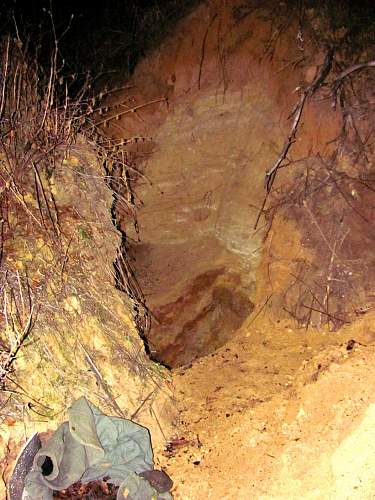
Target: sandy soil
point(278, 413)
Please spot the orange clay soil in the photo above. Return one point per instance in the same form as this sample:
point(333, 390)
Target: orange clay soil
point(277, 413)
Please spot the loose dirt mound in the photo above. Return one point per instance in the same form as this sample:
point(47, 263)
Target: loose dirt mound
point(278, 413)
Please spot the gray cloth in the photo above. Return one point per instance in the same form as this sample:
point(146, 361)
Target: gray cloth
point(137, 488)
point(89, 447)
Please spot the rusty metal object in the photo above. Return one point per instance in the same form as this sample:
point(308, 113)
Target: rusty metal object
point(23, 466)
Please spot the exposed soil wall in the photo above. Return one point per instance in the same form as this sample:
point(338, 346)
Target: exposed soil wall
point(214, 102)
point(261, 301)
point(271, 327)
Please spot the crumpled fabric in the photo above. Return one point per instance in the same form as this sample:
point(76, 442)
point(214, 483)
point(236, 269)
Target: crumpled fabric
point(89, 447)
point(137, 488)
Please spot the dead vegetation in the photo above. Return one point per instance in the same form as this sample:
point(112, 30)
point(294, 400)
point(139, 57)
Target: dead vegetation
point(329, 196)
point(65, 330)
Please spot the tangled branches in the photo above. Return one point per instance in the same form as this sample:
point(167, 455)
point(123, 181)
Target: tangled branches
point(38, 124)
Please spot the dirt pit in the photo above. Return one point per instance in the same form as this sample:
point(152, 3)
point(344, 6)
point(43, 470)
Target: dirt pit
point(260, 300)
point(245, 199)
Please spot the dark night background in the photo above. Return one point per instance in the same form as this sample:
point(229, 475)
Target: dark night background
point(105, 37)
point(109, 37)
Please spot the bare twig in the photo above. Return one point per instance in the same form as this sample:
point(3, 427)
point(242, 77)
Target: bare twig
point(20, 340)
point(131, 110)
point(297, 112)
point(331, 316)
point(5, 78)
point(338, 80)
point(317, 225)
point(101, 381)
point(45, 199)
point(260, 310)
point(147, 398)
point(153, 413)
point(320, 77)
point(204, 49)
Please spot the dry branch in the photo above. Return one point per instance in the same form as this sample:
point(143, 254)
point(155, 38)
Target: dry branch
point(101, 381)
point(21, 338)
point(130, 110)
point(297, 113)
point(325, 313)
point(319, 79)
point(349, 71)
point(203, 49)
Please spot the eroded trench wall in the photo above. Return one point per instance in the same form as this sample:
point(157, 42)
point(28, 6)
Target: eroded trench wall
point(214, 101)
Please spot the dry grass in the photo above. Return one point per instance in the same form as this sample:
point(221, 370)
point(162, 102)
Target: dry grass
point(65, 330)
